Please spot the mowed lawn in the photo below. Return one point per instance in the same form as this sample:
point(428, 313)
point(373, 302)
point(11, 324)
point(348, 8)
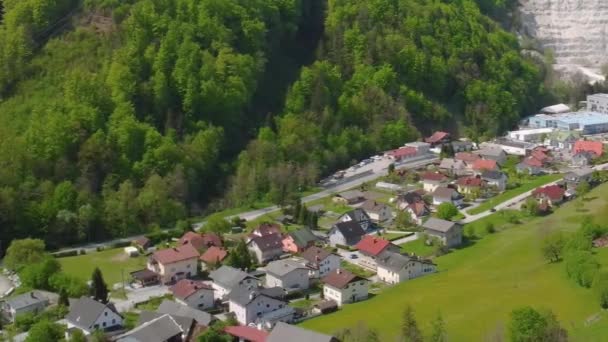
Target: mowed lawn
point(477, 287)
point(507, 195)
point(111, 262)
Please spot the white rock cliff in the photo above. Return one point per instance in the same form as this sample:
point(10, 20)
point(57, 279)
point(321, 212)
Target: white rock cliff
point(576, 31)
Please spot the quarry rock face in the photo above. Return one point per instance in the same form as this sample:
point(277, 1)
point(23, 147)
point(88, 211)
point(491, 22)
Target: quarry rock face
point(576, 31)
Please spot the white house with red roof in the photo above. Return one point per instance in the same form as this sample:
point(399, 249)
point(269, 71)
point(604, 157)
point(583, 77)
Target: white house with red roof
point(173, 264)
point(551, 194)
point(468, 185)
point(438, 138)
point(370, 247)
point(433, 180)
point(594, 147)
point(195, 294)
point(402, 153)
point(195, 239)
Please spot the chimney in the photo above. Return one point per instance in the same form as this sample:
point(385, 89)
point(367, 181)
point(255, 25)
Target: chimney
point(252, 295)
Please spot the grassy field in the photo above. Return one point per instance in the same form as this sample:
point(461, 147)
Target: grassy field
point(529, 185)
point(478, 286)
point(111, 263)
point(417, 247)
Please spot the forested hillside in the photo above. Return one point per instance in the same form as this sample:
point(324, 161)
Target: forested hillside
point(118, 116)
point(387, 71)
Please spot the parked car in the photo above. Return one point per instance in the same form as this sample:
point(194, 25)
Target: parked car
point(354, 256)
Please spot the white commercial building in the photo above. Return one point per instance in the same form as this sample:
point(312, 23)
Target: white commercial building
point(530, 135)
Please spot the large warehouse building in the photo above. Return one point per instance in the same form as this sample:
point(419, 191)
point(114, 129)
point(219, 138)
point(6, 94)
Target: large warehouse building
point(586, 122)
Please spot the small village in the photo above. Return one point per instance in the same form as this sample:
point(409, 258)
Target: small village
point(260, 278)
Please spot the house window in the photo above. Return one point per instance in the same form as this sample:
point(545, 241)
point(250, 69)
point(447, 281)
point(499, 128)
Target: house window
point(113, 321)
point(267, 305)
point(105, 314)
point(104, 324)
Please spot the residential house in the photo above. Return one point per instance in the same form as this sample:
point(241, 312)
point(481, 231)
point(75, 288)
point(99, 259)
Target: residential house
point(89, 315)
point(33, 302)
point(357, 215)
point(264, 229)
point(495, 179)
point(550, 194)
point(266, 248)
point(287, 274)
point(433, 180)
point(394, 268)
point(195, 294)
point(226, 278)
point(447, 195)
point(343, 287)
point(422, 148)
point(413, 204)
point(467, 157)
point(530, 165)
point(195, 239)
point(377, 212)
point(402, 153)
point(202, 318)
point(470, 185)
point(345, 233)
point(145, 277)
point(349, 197)
point(298, 240)
point(241, 333)
point(371, 246)
point(582, 159)
point(481, 165)
point(212, 239)
point(462, 146)
point(284, 332)
point(153, 327)
point(594, 147)
point(320, 261)
point(494, 153)
point(453, 167)
point(438, 138)
point(173, 264)
point(562, 140)
point(213, 256)
point(143, 243)
point(450, 233)
point(576, 176)
point(249, 306)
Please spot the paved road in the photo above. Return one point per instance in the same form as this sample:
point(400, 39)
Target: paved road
point(515, 201)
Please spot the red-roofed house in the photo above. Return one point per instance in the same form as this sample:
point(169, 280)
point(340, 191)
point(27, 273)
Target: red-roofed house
point(265, 229)
point(482, 165)
point(371, 247)
point(194, 294)
point(195, 239)
point(467, 157)
point(402, 153)
point(246, 334)
point(467, 185)
point(438, 138)
point(552, 194)
point(595, 147)
point(173, 264)
point(213, 256)
point(531, 165)
point(432, 180)
point(212, 239)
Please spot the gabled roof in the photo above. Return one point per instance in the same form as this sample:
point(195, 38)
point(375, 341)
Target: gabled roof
point(553, 192)
point(469, 181)
point(532, 161)
point(142, 241)
point(268, 242)
point(349, 229)
point(280, 268)
point(492, 175)
point(212, 239)
point(484, 164)
point(439, 225)
point(437, 137)
point(450, 163)
point(372, 245)
point(267, 229)
point(393, 261)
point(371, 206)
point(159, 329)
point(214, 254)
point(410, 197)
point(243, 296)
point(590, 146)
point(30, 298)
point(284, 332)
point(358, 215)
point(185, 323)
point(466, 157)
point(418, 208)
point(315, 254)
point(228, 277)
point(444, 192)
point(195, 239)
point(172, 255)
point(339, 278)
point(175, 309)
point(85, 311)
point(186, 288)
point(433, 177)
point(247, 333)
point(352, 194)
point(491, 152)
point(401, 152)
point(303, 237)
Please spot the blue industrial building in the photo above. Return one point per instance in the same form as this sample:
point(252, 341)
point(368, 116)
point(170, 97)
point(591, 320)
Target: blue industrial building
point(587, 122)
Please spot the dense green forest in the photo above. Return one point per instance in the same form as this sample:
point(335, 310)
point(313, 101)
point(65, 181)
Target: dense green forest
point(119, 116)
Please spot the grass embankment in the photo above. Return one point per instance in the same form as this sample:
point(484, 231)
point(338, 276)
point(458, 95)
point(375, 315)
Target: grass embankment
point(527, 185)
point(417, 247)
point(111, 262)
point(478, 286)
